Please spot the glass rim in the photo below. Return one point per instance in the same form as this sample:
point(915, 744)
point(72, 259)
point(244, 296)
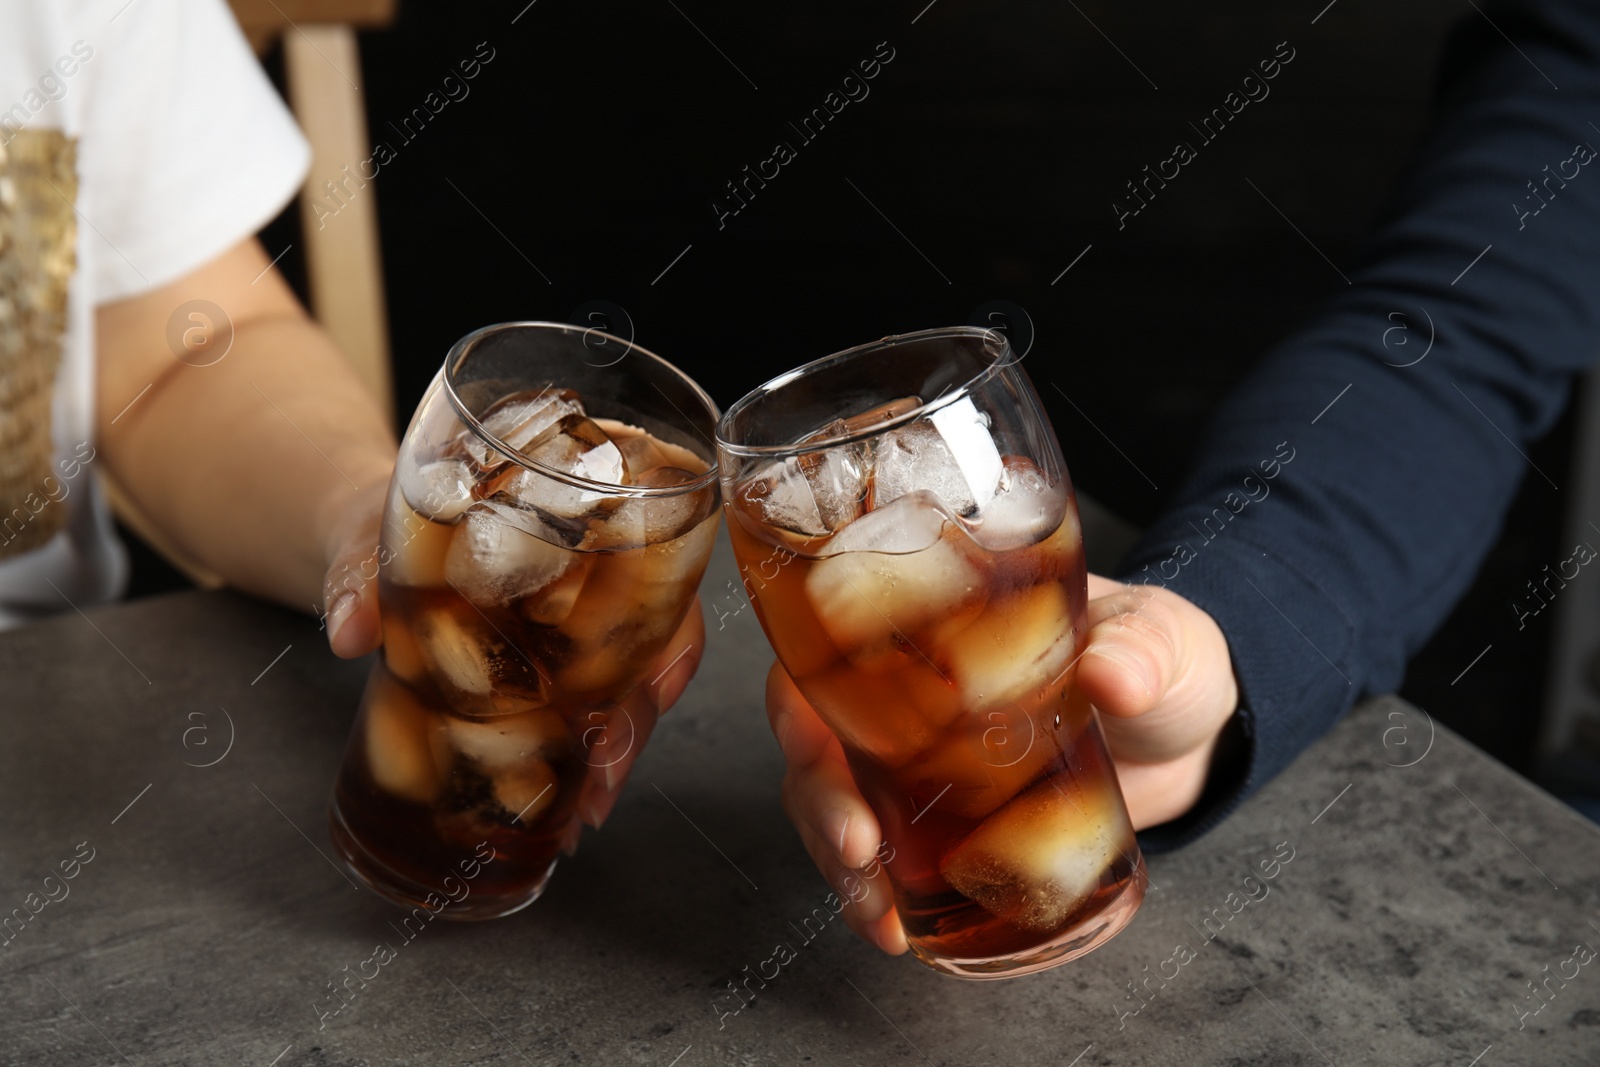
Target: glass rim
point(944, 399)
point(463, 347)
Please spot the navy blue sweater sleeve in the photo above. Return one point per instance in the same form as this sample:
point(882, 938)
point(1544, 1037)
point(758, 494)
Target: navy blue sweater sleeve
point(1347, 492)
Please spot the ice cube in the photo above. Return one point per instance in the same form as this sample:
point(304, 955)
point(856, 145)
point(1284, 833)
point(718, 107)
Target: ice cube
point(551, 605)
point(399, 742)
point(631, 604)
point(641, 450)
point(839, 478)
point(1015, 649)
point(665, 476)
point(1060, 552)
point(814, 493)
point(527, 792)
point(507, 743)
point(454, 653)
point(475, 666)
point(911, 524)
point(871, 714)
point(1038, 859)
point(439, 489)
point(626, 589)
point(401, 652)
point(604, 666)
point(502, 553)
point(577, 446)
point(640, 453)
point(647, 520)
point(684, 458)
point(415, 545)
point(950, 454)
point(1024, 511)
point(976, 769)
point(892, 572)
point(965, 430)
point(781, 496)
point(518, 419)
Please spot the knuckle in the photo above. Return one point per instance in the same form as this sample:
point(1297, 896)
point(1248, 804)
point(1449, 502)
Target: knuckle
point(1152, 625)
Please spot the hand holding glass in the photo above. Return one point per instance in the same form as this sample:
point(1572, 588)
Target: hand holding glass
point(551, 513)
point(907, 531)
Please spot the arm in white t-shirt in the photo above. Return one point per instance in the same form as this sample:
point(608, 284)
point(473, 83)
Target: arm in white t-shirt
point(269, 464)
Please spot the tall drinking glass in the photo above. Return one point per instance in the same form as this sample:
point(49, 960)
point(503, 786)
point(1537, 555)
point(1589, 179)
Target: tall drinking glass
point(552, 510)
point(906, 529)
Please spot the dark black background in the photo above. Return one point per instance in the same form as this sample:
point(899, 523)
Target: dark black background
point(595, 141)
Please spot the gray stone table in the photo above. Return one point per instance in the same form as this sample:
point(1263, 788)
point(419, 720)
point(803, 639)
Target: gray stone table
point(1419, 900)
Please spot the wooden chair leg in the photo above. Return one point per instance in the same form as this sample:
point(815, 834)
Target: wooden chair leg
point(338, 209)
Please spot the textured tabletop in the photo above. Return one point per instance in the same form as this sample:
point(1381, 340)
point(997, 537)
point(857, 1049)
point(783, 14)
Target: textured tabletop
point(175, 755)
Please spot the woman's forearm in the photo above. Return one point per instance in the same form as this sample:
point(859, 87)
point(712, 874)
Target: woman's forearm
point(248, 463)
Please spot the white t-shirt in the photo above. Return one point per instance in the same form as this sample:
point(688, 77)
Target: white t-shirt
point(184, 149)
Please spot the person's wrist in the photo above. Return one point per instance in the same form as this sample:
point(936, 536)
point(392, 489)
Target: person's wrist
point(1206, 780)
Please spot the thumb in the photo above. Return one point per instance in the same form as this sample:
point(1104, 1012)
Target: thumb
point(1134, 650)
point(350, 588)
point(350, 602)
point(1158, 667)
